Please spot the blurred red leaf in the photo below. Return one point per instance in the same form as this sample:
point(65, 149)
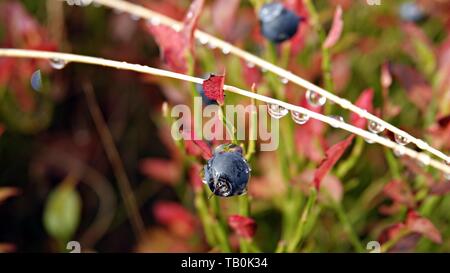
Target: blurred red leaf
point(223, 13)
point(309, 137)
point(423, 226)
point(8, 192)
point(175, 46)
point(195, 146)
point(399, 192)
point(336, 29)
point(330, 187)
point(365, 102)
point(417, 89)
point(251, 74)
point(333, 154)
point(163, 170)
point(386, 77)
point(6, 248)
point(441, 188)
point(213, 87)
point(194, 176)
point(243, 226)
point(175, 217)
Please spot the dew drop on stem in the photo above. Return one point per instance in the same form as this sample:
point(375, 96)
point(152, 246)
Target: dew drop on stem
point(424, 159)
point(57, 63)
point(315, 99)
point(401, 139)
point(276, 111)
point(299, 118)
point(375, 127)
point(399, 151)
point(337, 122)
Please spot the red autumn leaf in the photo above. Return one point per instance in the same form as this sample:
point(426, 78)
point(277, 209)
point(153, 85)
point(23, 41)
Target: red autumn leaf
point(333, 154)
point(8, 192)
point(194, 176)
point(423, 226)
point(163, 170)
point(441, 188)
point(175, 46)
point(417, 88)
point(365, 102)
point(336, 29)
point(223, 13)
point(309, 137)
point(195, 146)
point(251, 74)
point(175, 217)
point(243, 226)
point(399, 192)
point(213, 87)
point(391, 232)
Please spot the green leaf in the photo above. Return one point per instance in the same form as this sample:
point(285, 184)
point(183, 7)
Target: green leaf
point(62, 211)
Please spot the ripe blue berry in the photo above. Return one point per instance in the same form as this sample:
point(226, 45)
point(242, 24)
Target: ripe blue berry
point(278, 24)
point(227, 172)
point(411, 12)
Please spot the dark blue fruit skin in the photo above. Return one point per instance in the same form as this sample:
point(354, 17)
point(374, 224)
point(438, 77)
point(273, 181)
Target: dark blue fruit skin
point(228, 167)
point(278, 24)
point(411, 12)
point(205, 100)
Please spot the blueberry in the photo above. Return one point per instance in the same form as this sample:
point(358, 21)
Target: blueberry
point(278, 24)
point(227, 172)
point(201, 92)
point(411, 12)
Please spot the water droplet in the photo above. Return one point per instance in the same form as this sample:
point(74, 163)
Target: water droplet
point(447, 162)
point(263, 70)
point(369, 141)
point(189, 15)
point(401, 139)
point(212, 45)
point(36, 80)
point(424, 159)
point(315, 99)
point(226, 50)
point(284, 81)
point(203, 40)
point(57, 63)
point(155, 21)
point(399, 151)
point(299, 118)
point(135, 17)
point(277, 111)
point(337, 122)
point(96, 5)
point(250, 64)
point(375, 127)
point(447, 177)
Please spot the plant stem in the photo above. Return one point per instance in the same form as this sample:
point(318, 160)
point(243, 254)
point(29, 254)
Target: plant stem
point(304, 219)
point(354, 240)
point(116, 163)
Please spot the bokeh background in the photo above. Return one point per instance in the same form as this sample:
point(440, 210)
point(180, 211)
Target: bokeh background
point(57, 183)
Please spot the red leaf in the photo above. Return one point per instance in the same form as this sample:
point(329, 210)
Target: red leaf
point(309, 137)
point(333, 154)
point(194, 176)
point(178, 219)
point(423, 226)
point(163, 170)
point(195, 146)
point(223, 14)
point(336, 29)
point(365, 102)
point(175, 46)
point(252, 74)
point(399, 192)
point(243, 226)
point(386, 78)
point(213, 88)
